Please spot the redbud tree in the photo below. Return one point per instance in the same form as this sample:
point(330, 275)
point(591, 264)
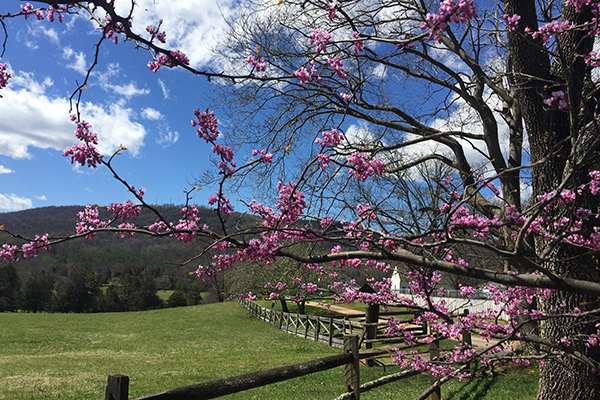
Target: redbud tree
point(340, 104)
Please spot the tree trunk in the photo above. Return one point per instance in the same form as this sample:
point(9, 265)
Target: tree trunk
point(284, 306)
point(552, 136)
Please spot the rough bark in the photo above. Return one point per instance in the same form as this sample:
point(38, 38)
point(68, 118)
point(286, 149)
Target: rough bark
point(552, 136)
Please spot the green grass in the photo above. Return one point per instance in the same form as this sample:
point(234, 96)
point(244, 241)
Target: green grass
point(69, 356)
point(164, 294)
point(293, 308)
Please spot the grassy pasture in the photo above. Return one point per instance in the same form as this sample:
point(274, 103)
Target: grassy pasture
point(69, 356)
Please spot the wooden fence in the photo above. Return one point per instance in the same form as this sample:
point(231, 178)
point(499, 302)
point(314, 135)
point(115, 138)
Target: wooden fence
point(332, 330)
point(321, 329)
point(118, 385)
point(350, 334)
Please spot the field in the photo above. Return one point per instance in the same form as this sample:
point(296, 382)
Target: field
point(69, 356)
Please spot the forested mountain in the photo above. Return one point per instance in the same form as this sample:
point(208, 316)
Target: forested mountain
point(104, 259)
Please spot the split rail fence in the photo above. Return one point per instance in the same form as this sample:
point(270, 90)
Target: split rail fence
point(341, 333)
point(118, 385)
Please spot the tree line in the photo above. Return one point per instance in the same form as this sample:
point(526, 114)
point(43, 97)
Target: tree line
point(84, 292)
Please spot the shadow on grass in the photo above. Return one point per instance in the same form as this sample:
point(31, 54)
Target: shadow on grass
point(477, 388)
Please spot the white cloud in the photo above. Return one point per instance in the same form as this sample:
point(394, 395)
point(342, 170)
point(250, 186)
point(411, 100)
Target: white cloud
point(192, 26)
point(151, 114)
point(79, 63)
point(164, 88)
point(13, 202)
point(42, 30)
point(168, 138)
point(115, 127)
point(4, 170)
point(42, 198)
point(31, 117)
point(107, 83)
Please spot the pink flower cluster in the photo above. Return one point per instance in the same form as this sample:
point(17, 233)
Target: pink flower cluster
point(346, 96)
point(558, 99)
point(512, 21)
point(258, 65)
point(462, 218)
point(264, 156)
point(9, 253)
point(338, 67)
point(112, 29)
point(551, 29)
point(448, 12)
point(363, 168)
point(208, 125)
point(89, 219)
point(164, 59)
point(320, 39)
point(125, 211)
point(226, 165)
point(4, 76)
point(85, 152)
point(30, 250)
point(359, 45)
point(155, 33)
point(330, 138)
point(28, 10)
point(223, 202)
point(332, 12)
point(305, 75)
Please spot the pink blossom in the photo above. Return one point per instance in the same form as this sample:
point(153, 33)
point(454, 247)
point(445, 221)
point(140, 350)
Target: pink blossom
point(320, 39)
point(248, 296)
point(9, 253)
point(330, 138)
point(364, 168)
point(337, 66)
point(553, 28)
point(258, 65)
point(264, 156)
point(324, 161)
point(207, 125)
point(154, 33)
point(512, 21)
point(303, 75)
point(223, 202)
point(309, 287)
point(345, 96)
point(125, 211)
point(4, 76)
point(359, 45)
point(180, 56)
point(330, 7)
point(558, 99)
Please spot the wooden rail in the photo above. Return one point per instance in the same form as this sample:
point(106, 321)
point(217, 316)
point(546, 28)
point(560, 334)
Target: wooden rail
point(117, 387)
point(321, 329)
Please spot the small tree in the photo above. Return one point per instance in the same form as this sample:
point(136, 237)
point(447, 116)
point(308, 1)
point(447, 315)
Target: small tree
point(9, 288)
point(36, 292)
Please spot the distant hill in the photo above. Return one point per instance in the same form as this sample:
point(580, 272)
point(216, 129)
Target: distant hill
point(107, 252)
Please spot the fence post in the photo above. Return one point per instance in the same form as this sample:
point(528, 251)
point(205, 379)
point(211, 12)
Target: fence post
point(466, 338)
point(117, 387)
point(330, 331)
point(434, 353)
point(280, 320)
point(352, 370)
point(318, 329)
point(371, 317)
point(306, 326)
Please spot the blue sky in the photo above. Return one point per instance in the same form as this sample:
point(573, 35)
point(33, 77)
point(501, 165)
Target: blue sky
point(126, 103)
